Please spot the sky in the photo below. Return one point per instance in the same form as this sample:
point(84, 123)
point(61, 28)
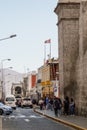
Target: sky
point(33, 21)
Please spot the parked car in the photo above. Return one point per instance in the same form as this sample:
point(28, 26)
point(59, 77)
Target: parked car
point(4, 109)
point(26, 102)
point(10, 100)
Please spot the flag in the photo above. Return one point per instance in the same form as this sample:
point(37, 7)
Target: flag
point(47, 41)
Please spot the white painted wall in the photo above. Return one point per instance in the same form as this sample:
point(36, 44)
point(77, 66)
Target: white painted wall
point(9, 77)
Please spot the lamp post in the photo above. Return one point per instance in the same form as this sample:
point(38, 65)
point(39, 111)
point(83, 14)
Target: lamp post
point(2, 76)
point(11, 36)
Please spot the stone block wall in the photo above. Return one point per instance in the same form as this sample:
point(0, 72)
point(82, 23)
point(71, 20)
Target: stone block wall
point(81, 66)
point(68, 28)
point(72, 39)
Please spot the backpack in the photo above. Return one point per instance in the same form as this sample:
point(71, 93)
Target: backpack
point(56, 104)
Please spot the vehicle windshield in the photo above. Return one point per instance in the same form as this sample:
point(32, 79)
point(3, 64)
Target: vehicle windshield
point(10, 99)
point(1, 104)
point(26, 99)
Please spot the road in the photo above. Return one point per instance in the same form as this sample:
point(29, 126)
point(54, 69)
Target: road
point(26, 119)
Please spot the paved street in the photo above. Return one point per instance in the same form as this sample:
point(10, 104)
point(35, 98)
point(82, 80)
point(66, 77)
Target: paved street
point(77, 122)
point(26, 119)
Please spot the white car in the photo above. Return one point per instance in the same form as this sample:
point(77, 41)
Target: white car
point(26, 102)
point(10, 100)
point(4, 109)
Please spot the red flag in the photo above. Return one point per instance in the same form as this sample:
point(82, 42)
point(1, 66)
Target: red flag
point(48, 41)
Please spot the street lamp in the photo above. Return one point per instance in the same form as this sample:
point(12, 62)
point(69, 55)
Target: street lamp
point(12, 36)
point(5, 60)
point(2, 76)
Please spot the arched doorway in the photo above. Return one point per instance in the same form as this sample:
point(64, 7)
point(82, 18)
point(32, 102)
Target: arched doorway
point(18, 90)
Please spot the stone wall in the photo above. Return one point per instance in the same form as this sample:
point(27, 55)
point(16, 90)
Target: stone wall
point(68, 28)
point(72, 36)
point(81, 66)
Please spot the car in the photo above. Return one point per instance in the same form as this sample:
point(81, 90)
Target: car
point(10, 100)
point(26, 102)
point(4, 109)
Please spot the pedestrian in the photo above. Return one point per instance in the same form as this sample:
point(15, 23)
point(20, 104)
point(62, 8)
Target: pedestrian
point(47, 101)
point(34, 103)
point(72, 107)
point(41, 102)
point(59, 107)
point(66, 106)
point(51, 104)
point(55, 106)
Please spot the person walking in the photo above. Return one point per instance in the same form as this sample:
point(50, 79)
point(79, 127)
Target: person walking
point(55, 106)
point(59, 107)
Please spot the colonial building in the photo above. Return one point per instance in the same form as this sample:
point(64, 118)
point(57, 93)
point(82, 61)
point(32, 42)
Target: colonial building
point(50, 77)
point(38, 83)
point(72, 39)
point(32, 77)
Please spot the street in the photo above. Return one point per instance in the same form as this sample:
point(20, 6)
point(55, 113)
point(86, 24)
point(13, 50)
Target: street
point(26, 119)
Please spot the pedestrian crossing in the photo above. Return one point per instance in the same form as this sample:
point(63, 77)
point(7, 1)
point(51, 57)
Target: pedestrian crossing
point(20, 116)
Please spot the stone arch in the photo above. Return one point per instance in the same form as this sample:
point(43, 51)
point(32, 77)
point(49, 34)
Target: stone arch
point(18, 90)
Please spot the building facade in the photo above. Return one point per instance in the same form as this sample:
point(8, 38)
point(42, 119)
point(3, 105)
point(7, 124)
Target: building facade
point(32, 84)
point(9, 77)
point(50, 78)
point(38, 83)
point(17, 89)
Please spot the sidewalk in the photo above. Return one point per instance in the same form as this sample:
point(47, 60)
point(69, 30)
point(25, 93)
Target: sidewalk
point(77, 122)
point(0, 123)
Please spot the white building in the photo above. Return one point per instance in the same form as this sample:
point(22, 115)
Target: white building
point(9, 77)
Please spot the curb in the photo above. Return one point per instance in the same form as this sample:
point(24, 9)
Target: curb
point(62, 121)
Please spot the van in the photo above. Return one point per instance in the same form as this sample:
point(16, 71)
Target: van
point(10, 100)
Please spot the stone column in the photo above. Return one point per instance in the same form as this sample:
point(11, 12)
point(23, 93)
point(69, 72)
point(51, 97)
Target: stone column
point(68, 40)
point(82, 79)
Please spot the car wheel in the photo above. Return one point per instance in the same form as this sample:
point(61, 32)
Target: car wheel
point(1, 111)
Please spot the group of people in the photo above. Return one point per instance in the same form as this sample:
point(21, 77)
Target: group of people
point(66, 107)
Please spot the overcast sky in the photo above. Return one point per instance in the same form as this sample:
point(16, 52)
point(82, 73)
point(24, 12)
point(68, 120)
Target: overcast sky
point(34, 21)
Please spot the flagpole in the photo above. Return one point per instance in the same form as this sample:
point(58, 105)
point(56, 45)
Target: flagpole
point(46, 42)
point(44, 53)
point(50, 51)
